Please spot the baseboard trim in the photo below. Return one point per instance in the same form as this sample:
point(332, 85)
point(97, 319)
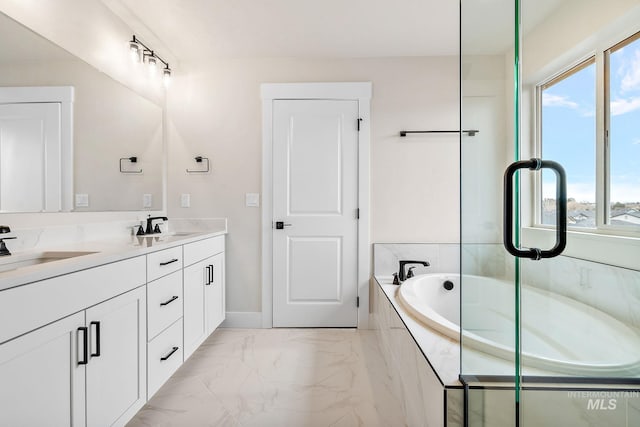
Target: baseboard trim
point(243, 319)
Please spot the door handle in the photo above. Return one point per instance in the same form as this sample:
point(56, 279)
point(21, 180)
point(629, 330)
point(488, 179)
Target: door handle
point(97, 325)
point(281, 225)
point(561, 214)
point(85, 345)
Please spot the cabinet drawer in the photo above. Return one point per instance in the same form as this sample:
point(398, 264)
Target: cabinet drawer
point(163, 262)
point(164, 303)
point(197, 251)
point(167, 346)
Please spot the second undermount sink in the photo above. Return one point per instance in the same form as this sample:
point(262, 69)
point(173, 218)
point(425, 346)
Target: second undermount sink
point(16, 261)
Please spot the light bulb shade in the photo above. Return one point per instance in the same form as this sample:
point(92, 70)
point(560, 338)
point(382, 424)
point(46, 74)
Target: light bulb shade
point(166, 76)
point(152, 62)
point(134, 48)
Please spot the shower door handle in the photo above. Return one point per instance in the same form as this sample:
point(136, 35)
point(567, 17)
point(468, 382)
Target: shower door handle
point(561, 206)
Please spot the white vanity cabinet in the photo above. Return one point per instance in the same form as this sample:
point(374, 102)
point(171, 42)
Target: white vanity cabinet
point(85, 369)
point(204, 291)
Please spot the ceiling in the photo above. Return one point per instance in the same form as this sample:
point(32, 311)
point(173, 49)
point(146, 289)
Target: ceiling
point(190, 30)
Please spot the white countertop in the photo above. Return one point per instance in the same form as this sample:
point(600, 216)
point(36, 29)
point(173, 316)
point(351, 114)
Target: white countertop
point(105, 252)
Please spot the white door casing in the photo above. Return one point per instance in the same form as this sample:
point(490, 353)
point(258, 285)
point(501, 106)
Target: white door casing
point(315, 195)
point(305, 202)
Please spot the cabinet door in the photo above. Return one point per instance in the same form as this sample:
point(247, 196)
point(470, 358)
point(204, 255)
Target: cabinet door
point(214, 293)
point(116, 372)
point(42, 383)
point(195, 327)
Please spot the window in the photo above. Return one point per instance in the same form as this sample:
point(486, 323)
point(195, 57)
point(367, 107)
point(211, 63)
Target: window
point(568, 126)
point(623, 72)
point(603, 171)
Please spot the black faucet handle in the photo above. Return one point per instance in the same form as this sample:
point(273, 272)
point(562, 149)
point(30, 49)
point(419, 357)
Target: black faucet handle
point(156, 229)
point(395, 279)
point(140, 231)
point(4, 229)
point(410, 273)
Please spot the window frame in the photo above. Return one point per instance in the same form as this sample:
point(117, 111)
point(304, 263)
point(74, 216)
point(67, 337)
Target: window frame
point(599, 57)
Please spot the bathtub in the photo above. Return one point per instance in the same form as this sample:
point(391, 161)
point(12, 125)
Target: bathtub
point(558, 334)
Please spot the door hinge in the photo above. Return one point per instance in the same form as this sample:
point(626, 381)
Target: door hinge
point(359, 120)
point(357, 301)
point(358, 213)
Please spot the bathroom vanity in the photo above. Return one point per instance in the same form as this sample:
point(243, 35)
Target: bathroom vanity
point(88, 339)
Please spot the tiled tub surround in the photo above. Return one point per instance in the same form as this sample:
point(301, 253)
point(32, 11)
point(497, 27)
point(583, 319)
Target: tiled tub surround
point(586, 281)
point(613, 290)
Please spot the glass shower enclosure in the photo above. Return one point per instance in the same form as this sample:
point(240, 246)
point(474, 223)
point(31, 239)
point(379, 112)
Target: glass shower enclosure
point(550, 212)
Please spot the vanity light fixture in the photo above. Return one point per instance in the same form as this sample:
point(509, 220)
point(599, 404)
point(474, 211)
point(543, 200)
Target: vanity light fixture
point(140, 51)
point(132, 159)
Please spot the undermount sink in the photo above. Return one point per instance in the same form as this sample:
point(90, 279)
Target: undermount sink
point(14, 262)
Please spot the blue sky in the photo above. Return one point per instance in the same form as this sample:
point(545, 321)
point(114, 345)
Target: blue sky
point(568, 136)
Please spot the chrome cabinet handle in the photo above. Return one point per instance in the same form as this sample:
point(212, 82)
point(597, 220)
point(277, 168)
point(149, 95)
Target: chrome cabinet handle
point(169, 262)
point(561, 214)
point(169, 301)
point(173, 350)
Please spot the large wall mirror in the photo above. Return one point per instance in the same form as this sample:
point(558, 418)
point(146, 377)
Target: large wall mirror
point(114, 146)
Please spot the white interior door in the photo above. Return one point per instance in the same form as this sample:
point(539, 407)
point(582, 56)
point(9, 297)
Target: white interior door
point(30, 157)
point(315, 196)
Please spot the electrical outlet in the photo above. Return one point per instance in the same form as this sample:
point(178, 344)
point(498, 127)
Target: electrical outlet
point(252, 200)
point(147, 200)
point(185, 200)
point(82, 200)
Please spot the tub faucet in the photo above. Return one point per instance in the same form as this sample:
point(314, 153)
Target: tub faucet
point(4, 229)
point(401, 273)
point(150, 220)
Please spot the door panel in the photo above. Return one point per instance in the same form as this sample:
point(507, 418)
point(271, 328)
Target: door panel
point(30, 157)
point(195, 327)
point(42, 383)
point(116, 377)
point(315, 183)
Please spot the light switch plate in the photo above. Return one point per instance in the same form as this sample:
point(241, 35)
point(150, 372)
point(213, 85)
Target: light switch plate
point(185, 200)
point(252, 200)
point(147, 200)
point(82, 200)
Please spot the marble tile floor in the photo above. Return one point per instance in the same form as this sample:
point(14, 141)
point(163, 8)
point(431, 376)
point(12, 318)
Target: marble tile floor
point(277, 377)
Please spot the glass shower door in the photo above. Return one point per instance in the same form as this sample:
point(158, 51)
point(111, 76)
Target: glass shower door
point(576, 270)
point(550, 335)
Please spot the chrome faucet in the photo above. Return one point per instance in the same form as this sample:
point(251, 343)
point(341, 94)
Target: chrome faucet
point(402, 276)
point(150, 229)
point(4, 229)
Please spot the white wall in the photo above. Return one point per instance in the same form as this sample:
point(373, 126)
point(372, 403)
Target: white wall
point(214, 110)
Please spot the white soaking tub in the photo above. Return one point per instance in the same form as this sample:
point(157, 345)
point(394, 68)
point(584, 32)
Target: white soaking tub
point(558, 334)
